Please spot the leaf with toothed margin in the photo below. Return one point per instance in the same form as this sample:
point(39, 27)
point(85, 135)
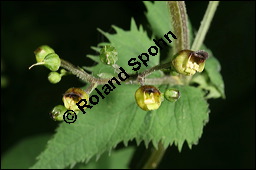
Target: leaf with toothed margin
point(129, 44)
point(117, 118)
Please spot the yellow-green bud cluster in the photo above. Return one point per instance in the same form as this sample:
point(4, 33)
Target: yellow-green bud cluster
point(46, 56)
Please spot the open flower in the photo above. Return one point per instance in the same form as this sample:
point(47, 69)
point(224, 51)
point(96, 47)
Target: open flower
point(189, 62)
point(73, 96)
point(148, 97)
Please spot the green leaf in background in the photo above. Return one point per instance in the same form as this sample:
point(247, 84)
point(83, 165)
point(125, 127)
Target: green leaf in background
point(119, 159)
point(158, 17)
point(23, 155)
point(213, 81)
point(117, 118)
point(204, 83)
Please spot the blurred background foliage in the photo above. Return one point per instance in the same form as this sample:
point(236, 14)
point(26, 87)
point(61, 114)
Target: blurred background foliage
point(69, 28)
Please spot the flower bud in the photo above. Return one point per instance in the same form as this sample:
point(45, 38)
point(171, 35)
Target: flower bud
point(148, 97)
point(63, 72)
point(73, 96)
point(108, 55)
point(54, 77)
point(51, 61)
point(189, 62)
point(57, 113)
point(42, 51)
point(172, 95)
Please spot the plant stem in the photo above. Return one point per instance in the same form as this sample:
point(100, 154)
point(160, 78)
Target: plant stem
point(141, 76)
point(205, 24)
point(91, 87)
point(80, 73)
point(168, 80)
point(155, 68)
point(180, 24)
point(134, 79)
point(155, 157)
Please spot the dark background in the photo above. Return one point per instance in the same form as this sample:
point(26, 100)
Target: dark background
point(228, 140)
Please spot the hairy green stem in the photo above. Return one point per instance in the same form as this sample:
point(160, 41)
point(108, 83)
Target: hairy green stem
point(180, 24)
point(205, 24)
point(141, 76)
point(91, 87)
point(168, 80)
point(179, 20)
point(155, 68)
point(80, 73)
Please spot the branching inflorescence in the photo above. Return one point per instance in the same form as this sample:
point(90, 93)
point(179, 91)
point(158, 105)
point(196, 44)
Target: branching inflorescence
point(148, 97)
point(181, 63)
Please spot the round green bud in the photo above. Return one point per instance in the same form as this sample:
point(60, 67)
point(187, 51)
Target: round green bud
point(108, 55)
point(63, 72)
point(54, 77)
point(73, 96)
point(42, 51)
point(189, 62)
point(57, 113)
point(148, 97)
point(172, 95)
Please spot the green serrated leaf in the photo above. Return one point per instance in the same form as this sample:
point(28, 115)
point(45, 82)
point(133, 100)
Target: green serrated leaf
point(204, 83)
point(130, 44)
point(94, 58)
point(97, 49)
point(182, 120)
point(117, 118)
point(22, 155)
point(212, 68)
point(99, 67)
